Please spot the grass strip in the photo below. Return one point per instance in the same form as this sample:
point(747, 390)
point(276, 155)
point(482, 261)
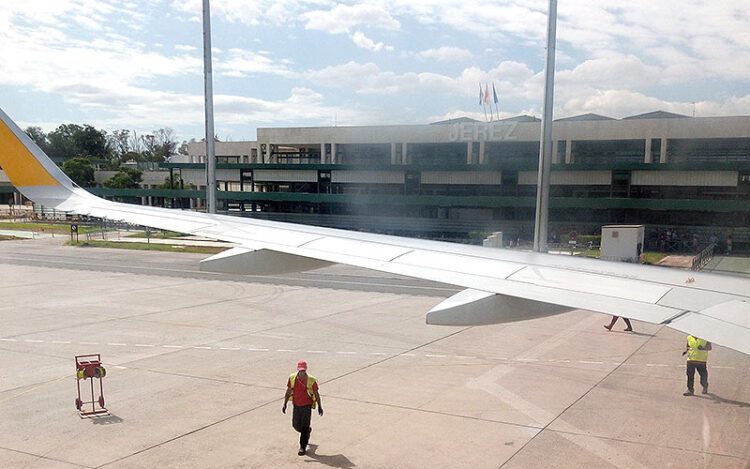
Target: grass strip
point(148, 247)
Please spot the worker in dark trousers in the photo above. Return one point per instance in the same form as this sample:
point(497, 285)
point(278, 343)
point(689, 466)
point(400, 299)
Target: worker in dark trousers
point(697, 356)
point(614, 320)
point(302, 389)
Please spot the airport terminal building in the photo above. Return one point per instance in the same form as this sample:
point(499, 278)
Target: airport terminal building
point(452, 178)
point(464, 178)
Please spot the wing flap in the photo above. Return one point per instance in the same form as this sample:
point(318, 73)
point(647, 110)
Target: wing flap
point(475, 308)
point(726, 324)
point(258, 262)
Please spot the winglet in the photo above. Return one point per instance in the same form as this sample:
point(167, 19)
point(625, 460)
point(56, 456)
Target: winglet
point(29, 169)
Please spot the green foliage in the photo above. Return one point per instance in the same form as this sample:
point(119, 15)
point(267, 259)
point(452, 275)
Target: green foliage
point(80, 170)
point(72, 140)
point(170, 184)
point(125, 178)
point(149, 247)
point(38, 136)
point(650, 257)
point(130, 146)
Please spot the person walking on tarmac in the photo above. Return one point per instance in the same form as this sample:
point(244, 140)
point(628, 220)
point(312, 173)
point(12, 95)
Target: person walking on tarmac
point(614, 320)
point(697, 356)
point(302, 390)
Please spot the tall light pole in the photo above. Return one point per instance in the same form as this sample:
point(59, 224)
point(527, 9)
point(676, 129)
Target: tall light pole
point(545, 143)
point(209, 95)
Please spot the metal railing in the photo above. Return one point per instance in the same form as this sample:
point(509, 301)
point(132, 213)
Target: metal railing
point(704, 257)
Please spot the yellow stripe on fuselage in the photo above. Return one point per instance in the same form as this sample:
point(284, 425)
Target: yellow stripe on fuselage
point(19, 164)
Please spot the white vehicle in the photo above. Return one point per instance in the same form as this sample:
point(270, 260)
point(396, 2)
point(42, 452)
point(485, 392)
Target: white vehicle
point(500, 285)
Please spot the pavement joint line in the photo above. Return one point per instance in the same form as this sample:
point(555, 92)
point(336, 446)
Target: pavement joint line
point(43, 457)
point(195, 430)
point(642, 443)
point(579, 399)
point(435, 412)
point(406, 354)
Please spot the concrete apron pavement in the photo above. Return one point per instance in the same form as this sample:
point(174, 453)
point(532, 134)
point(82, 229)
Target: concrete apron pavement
point(196, 374)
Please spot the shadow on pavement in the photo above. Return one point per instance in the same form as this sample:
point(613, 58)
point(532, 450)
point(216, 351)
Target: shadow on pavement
point(336, 460)
point(641, 334)
point(106, 420)
point(721, 400)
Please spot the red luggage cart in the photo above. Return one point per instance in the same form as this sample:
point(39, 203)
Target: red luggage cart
point(90, 367)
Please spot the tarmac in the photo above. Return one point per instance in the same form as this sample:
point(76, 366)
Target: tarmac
point(197, 364)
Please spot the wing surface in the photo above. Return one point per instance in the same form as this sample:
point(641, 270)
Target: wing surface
point(710, 306)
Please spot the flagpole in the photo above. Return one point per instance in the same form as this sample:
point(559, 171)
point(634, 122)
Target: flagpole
point(494, 98)
point(484, 104)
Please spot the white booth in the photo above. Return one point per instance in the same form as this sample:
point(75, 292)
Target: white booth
point(622, 243)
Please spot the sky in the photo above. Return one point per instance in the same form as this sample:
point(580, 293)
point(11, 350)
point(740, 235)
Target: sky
point(138, 64)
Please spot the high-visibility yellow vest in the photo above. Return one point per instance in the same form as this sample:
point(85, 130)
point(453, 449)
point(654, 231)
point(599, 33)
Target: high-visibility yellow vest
point(310, 381)
point(695, 355)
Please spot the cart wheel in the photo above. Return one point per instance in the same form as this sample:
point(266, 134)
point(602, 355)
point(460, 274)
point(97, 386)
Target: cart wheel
point(101, 401)
point(79, 404)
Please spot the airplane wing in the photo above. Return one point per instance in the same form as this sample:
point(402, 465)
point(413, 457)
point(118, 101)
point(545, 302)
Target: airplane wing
point(501, 285)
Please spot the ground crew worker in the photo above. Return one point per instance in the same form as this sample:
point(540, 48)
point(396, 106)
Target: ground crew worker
point(697, 356)
point(302, 390)
point(629, 327)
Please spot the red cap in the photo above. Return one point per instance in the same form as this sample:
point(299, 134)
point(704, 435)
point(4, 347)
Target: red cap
point(301, 365)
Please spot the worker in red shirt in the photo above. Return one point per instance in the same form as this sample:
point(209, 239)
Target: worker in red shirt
point(302, 389)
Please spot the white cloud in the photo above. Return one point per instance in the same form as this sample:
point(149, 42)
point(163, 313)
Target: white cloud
point(276, 12)
point(241, 63)
point(613, 58)
point(343, 18)
point(360, 40)
point(446, 54)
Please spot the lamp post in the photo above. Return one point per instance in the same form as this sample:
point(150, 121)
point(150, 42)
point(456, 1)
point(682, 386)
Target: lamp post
point(209, 97)
point(545, 143)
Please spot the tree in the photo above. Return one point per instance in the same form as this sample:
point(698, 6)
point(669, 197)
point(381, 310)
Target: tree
point(119, 141)
point(125, 178)
point(80, 170)
point(171, 183)
point(38, 136)
point(72, 140)
point(160, 145)
point(92, 143)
